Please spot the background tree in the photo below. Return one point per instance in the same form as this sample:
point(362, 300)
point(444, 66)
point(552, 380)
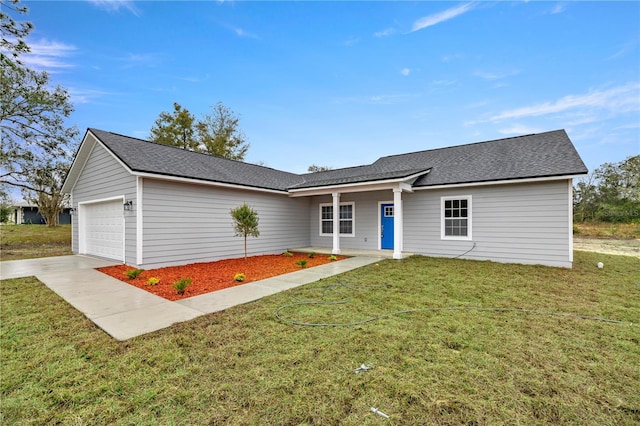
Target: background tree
point(245, 223)
point(611, 193)
point(314, 169)
point(216, 134)
point(32, 112)
point(13, 33)
point(47, 183)
point(6, 204)
point(585, 199)
point(175, 129)
point(219, 134)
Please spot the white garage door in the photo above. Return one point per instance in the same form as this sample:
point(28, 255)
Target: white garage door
point(104, 229)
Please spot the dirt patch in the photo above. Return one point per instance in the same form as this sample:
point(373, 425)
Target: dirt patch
point(629, 247)
point(212, 276)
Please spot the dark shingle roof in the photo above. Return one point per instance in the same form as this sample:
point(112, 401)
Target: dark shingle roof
point(533, 156)
point(353, 175)
point(149, 157)
point(540, 155)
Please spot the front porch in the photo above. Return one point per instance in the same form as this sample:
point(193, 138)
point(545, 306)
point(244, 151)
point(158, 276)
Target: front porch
point(383, 254)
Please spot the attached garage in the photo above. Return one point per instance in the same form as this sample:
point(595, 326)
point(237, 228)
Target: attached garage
point(101, 228)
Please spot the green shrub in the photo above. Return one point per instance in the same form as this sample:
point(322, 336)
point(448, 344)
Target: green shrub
point(627, 212)
point(181, 285)
point(239, 277)
point(333, 258)
point(302, 263)
point(133, 273)
point(287, 253)
point(312, 255)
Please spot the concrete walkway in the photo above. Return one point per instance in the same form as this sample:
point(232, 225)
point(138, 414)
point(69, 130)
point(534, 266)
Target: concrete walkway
point(124, 311)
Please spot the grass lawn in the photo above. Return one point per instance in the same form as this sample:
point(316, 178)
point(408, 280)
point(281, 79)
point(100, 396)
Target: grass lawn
point(244, 367)
point(29, 241)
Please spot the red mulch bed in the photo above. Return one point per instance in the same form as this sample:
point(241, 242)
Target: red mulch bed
point(212, 276)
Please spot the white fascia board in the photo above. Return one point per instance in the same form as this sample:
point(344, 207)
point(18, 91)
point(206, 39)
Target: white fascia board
point(498, 182)
point(378, 185)
point(102, 200)
point(184, 180)
point(206, 182)
point(80, 160)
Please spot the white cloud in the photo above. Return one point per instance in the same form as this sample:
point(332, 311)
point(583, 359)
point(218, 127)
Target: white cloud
point(558, 8)
point(376, 99)
point(48, 55)
point(437, 18)
point(385, 33)
point(478, 104)
point(351, 41)
point(616, 99)
point(405, 71)
point(242, 33)
point(116, 5)
point(628, 126)
point(487, 75)
point(450, 58)
point(444, 82)
point(628, 47)
point(141, 60)
point(85, 96)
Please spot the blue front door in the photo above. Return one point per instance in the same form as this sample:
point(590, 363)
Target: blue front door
point(386, 226)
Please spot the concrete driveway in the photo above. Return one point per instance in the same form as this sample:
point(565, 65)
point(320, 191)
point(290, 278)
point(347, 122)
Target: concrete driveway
point(33, 267)
point(124, 311)
point(121, 310)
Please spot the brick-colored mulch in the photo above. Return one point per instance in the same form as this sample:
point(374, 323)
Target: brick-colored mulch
point(212, 276)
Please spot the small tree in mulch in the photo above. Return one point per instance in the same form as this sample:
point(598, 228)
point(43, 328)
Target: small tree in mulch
point(245, 223)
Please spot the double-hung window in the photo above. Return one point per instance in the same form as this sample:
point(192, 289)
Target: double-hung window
point(456, 218)
point(346, 219)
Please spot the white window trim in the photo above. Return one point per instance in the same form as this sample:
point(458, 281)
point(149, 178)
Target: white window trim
point(468, 237)
point(353, 218)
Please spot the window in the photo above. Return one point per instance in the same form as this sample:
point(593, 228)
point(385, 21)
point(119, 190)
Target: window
point(346, 218)
point(388, 211)
point(456, 218)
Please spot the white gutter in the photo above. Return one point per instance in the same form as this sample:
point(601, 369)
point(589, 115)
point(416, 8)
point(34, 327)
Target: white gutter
point(497, 182)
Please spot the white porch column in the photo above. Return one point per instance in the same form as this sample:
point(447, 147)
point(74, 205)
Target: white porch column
point(336, 223)
point(397, 223)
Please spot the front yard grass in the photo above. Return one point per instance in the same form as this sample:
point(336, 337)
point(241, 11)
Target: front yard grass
point(242, 366)
point(29, 241)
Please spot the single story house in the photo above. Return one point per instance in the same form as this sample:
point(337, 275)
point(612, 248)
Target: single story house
point(29, 214)
point(151, 205)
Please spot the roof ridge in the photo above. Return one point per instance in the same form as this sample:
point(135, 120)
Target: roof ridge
point(186, 150)
point(469, 144)
point(335, 170)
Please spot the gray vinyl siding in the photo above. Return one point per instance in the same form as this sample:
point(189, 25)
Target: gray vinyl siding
point(187, 223)
point(365, 220)
point(519, 223)
point(104, 177)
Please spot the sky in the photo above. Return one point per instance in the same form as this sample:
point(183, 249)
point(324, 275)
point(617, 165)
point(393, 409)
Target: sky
point(341, 84)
